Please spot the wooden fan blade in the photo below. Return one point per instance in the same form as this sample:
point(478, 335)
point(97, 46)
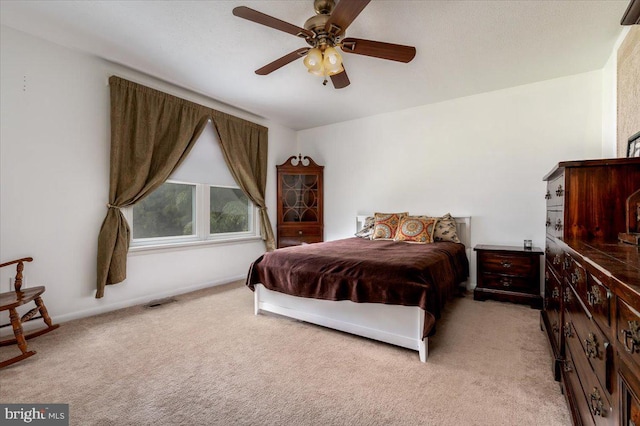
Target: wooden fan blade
point(280, 62)
point(343, 15)
point(269, 21)
point(341, 80)
point(378, 49)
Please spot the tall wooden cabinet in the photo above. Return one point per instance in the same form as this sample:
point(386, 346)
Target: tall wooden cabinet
point(300, 219)
point(591, 311)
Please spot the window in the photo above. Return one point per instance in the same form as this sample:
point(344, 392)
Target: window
point(199, 202)
point(168, 212)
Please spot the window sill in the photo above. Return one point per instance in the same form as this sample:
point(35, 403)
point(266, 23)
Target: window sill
point(188, 245)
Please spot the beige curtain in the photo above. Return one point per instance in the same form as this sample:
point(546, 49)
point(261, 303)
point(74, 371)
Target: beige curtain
point(151, 134)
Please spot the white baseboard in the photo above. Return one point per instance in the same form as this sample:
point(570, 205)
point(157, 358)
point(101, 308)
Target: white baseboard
point(59, 319)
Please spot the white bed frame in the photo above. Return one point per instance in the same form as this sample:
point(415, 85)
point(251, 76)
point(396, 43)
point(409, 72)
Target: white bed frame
point(394, 324)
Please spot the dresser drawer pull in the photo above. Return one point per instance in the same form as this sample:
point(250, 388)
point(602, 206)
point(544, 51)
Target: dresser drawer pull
point(505, 264)
point(548, 222)
point(576, 277)
point(555, 294)
point(558, 226)
point(547, 196)
point(591, 347)
point(567, 295)
point(555, 327)
point(594, 297)
point(632, 337)
point(559, 191)
point(299, 232)
point(506, 282)
point(566, 329)
point(595, 403)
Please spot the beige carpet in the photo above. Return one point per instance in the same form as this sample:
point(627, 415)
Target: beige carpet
point(207, 360)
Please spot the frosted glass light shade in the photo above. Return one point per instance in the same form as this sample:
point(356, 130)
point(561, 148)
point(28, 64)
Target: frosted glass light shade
point(332, 61)
point(313, 61)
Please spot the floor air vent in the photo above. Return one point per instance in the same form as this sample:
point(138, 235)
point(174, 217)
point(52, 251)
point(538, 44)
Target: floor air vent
point(160, 302)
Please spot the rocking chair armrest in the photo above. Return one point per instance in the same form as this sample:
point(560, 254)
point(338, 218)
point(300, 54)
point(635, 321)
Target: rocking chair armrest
point(24, 259)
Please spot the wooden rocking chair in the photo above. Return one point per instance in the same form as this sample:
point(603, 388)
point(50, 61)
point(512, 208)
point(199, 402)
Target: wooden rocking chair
point(10, 301)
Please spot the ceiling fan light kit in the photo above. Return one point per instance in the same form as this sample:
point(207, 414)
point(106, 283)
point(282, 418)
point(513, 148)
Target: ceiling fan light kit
point(325, 32)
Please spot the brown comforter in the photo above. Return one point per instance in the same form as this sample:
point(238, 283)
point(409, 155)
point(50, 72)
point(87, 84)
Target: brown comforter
point(372, 271)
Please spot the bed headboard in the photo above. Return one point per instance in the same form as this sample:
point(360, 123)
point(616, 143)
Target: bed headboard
point(463, 228)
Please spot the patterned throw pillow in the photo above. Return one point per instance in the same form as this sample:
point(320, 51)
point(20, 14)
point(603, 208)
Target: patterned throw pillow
point(446, 229)
point(386, 225)
point(416, 229)
point(367, 229)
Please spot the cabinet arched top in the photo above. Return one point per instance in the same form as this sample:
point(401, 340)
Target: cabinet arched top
point(300, 163)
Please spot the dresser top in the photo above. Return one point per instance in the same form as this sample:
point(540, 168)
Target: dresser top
point(622, 261)
point(590, 163)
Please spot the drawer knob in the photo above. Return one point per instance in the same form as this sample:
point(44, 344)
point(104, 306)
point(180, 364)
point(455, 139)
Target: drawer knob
point(299, 232)
point(558, 225)
point(559, 191)
point(555, 294)
point(591, 347)
point(555, 327)
point(568, 367)
point(632, 337)
point(567, 295)
point(548, 223)
point(547, 196)
point(595, 403)
point(506, 264)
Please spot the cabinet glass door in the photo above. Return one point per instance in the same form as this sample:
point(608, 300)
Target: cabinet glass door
point(299, 198)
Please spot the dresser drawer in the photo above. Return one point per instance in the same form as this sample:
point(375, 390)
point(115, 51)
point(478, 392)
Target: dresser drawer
point(574, 391)
point(628, 330)
point(589, 392)
point(598, 297)
point(576, 275)
point(555, 192)
point(629, 396)
point(555, 223)
point(593, 343)
point(508, 264)
point(305, 231)
point(554, 256)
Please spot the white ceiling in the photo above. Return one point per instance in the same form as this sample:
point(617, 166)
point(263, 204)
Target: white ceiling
point(463, 48)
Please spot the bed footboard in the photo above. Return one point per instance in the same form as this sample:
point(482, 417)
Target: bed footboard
point(394, 324)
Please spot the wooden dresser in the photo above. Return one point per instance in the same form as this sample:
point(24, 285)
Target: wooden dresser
point(300, 217)
point(591, 309)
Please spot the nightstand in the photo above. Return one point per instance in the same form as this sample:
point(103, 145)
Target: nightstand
point(508, 273)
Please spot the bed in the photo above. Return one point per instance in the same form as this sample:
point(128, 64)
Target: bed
point(384, 290)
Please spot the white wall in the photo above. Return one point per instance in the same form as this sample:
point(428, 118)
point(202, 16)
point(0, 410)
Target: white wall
point(483, 156)
point(54, 171)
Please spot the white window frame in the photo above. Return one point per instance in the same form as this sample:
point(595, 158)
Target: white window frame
point(201, 227)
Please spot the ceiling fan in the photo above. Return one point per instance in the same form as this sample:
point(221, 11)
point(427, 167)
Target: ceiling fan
point(325, 32)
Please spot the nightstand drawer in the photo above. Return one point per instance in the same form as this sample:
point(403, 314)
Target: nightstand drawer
point(506, 282)
point(508, 264)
